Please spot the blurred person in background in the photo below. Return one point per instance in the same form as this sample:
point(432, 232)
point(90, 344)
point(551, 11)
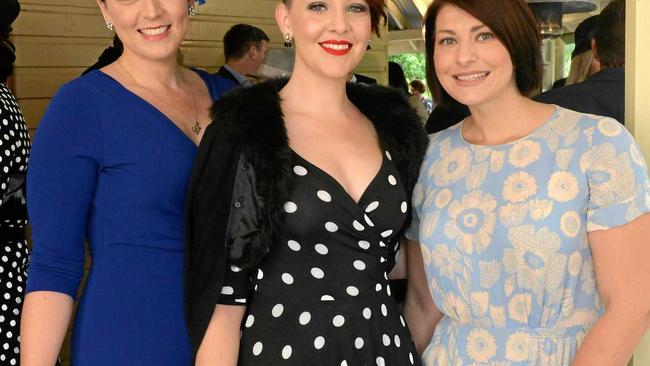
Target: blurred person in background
point(602, 93)
point(245, 48)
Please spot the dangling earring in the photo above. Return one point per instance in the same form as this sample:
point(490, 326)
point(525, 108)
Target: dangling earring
point(288, 40)
point(191, 10)
point(109, 25)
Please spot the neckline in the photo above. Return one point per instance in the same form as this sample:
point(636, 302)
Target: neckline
point(168, 121)
point(543, 125)
point(339, 186)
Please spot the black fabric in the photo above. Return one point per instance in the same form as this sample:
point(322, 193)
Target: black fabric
point(227, 74)
point(365, 79)
point(248, 123)
point(602, 94)
point(445, 116)
point(9, 10)
point(312, 299)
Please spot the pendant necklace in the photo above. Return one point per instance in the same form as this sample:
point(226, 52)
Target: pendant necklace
point(196, 127)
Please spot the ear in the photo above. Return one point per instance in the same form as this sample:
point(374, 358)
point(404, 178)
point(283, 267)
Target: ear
point(252, 52)
point(191, 3)
point(594, 49)
point(282, 18)
point(103, 9)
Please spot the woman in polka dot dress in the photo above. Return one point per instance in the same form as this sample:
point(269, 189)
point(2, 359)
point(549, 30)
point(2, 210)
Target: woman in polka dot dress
point(309, 181)
point(14, 152)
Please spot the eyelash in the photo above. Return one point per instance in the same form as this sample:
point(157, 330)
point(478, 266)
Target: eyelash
point(484, 36)
point(355, 8)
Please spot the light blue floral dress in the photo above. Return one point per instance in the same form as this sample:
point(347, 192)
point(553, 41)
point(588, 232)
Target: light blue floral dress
point(503, 232)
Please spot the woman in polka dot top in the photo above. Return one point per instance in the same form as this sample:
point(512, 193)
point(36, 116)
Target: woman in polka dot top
point(308, 180)
point(14, 153)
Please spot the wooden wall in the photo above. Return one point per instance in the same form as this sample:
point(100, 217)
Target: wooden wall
point(57, 39)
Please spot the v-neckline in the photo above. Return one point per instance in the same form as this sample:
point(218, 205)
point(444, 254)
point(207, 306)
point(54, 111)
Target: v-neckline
point(340, 187)
point(169, 122)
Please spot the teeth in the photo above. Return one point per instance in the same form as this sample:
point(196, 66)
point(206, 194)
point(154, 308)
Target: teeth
point(336, 47)
point(154, 31)
point(472, 76)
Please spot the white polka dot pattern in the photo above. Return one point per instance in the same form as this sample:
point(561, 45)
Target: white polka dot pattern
point(321, 296)
point(14, 157)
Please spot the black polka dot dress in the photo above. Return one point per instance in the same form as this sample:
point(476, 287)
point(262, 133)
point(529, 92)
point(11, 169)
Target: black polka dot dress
point(322, 296)
point(14, 151)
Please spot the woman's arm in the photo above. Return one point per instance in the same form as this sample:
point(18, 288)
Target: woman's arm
point(420, 312)
point(61, 183)
point(622, 263)
point(43, 326)
point(220, 345)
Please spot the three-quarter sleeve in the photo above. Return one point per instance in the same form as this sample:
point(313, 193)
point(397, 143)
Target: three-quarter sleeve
point(236, 286)
point(62, 174)
point(617, 175)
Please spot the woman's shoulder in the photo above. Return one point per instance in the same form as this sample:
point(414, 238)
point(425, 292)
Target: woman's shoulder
point(217, 85)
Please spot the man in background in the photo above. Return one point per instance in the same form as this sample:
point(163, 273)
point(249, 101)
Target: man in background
point(245, 48)
point(603, 93)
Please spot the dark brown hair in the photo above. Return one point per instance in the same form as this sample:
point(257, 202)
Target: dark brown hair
point(377, 13)
point(610, 35)
point(514, 25)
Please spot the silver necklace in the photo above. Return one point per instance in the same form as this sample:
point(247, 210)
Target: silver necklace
point(196, 127)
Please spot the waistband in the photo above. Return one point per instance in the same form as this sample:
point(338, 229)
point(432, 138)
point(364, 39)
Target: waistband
point(12, 234)
point(525, 332)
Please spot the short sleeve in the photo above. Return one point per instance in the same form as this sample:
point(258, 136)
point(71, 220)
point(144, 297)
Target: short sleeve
point(413, 231)
point(236, 286)
point(61, 178)
point(617, 174)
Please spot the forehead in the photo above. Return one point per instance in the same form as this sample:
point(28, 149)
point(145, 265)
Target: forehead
point(454, 18)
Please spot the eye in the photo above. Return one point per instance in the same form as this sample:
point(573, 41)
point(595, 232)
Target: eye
point(484, 36)
point(357, 8)
point(447, 41)
point(317, 6)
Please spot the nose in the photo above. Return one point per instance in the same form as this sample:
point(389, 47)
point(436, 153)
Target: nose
point(465, 53)
point(339, 20)
point(151, 8)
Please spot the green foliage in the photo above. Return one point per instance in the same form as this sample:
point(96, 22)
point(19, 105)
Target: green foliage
point(413, 64)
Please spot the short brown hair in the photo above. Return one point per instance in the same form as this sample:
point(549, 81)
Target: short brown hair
point(514, 25)
point(610, 35)
point(377, 13)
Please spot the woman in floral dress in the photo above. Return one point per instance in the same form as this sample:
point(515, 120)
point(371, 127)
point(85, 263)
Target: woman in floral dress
point(531, 218)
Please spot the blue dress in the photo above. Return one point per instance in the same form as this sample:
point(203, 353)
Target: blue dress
point(504, 237)
point(109, 168)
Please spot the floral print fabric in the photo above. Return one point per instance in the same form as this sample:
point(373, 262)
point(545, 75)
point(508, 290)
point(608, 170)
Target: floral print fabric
point(503, 232)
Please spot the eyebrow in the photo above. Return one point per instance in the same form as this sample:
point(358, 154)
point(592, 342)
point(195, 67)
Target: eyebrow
point(473, 29)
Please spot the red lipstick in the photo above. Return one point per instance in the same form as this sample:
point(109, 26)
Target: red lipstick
point(336, 47)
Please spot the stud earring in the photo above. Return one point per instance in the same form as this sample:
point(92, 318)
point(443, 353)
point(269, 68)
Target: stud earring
point(109, 25)
point(191, 10)
point(288, 40)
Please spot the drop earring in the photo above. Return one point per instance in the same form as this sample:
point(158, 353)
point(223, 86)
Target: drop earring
point(191, 10)
point(288, 40)
point(109, 25)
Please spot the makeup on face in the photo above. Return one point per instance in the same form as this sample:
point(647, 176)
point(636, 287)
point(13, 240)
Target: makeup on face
point(472, 65)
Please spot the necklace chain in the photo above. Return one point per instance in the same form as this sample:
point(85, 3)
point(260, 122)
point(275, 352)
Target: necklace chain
point(196, 127)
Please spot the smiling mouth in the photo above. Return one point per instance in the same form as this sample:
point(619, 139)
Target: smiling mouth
point(472, 77)
point(337, 48)
point(154, 31)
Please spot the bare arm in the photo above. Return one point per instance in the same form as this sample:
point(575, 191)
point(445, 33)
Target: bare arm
point(45, 319)
point(420, 312)
point(220, 345)
point(621, 256)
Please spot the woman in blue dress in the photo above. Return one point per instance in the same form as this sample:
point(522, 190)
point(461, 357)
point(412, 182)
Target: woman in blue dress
point(110, 166)
point(532, 219)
